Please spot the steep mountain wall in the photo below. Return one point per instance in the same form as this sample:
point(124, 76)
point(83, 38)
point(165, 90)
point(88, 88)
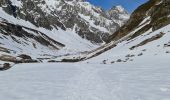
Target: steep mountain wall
point(157, 13)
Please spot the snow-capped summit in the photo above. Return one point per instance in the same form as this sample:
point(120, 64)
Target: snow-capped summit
point(118, 14)
point(119, 9)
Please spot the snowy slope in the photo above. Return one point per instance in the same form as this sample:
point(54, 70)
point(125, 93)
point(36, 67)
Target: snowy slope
point(127, 49)
point(59, 35)
point(144, 37)
point(72, 41)
point(134, 50)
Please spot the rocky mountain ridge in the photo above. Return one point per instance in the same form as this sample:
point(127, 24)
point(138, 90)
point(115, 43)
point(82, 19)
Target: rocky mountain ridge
point(90, 22)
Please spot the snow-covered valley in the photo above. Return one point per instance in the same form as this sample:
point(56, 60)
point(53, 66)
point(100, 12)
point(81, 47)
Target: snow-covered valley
point(142, 73)
point(82, 81)
point(73, 50)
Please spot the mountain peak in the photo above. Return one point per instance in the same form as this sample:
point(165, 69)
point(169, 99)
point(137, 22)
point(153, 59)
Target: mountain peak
point(118, 13)
point(118, 8)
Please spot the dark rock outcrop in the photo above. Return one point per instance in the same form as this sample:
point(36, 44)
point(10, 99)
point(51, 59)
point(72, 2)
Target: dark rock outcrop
point(5, 66)
point(13, 31)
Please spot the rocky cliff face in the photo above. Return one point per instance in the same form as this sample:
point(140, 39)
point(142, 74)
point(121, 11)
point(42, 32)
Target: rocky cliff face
point(153, 15)
point(90, 22)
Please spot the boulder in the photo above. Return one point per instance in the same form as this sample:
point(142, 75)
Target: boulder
point(6, 66)
point(24, 56)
